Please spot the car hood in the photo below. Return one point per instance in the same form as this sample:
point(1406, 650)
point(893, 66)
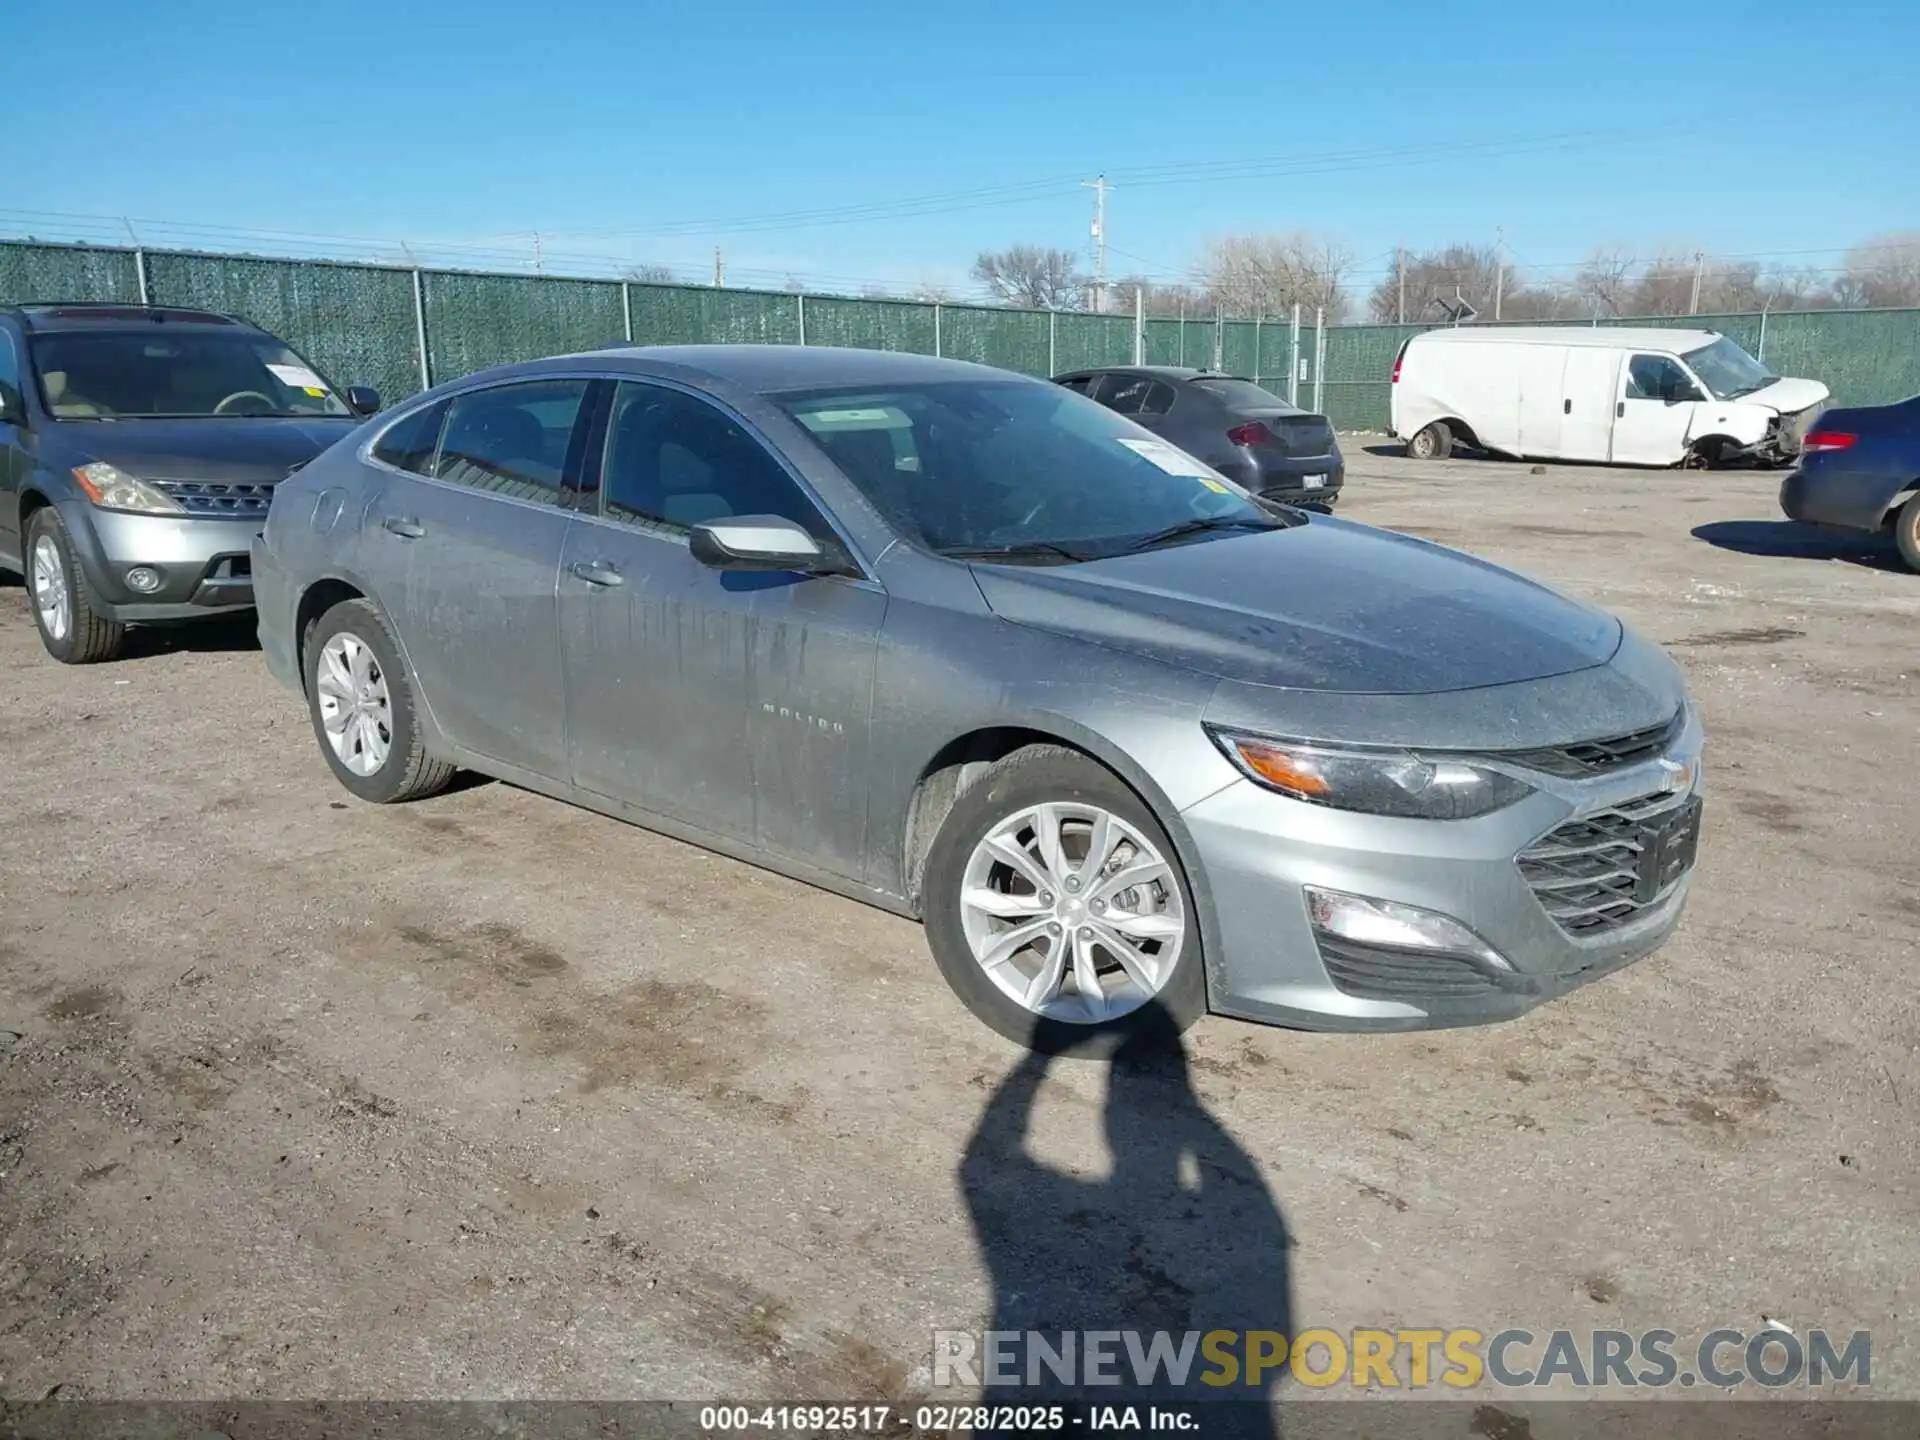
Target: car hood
point(1789, 395)
point(235, 451)
point(1327, 605)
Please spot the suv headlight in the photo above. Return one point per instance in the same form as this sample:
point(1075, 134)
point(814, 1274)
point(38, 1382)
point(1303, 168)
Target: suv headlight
point(111, 488)
point(1373, 782)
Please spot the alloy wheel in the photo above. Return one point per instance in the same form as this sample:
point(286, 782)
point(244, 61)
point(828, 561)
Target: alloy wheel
point(51, 595)
point(356, 709)
point(1072, 912)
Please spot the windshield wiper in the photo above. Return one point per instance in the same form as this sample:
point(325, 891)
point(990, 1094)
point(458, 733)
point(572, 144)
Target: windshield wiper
point(1200, 526)
point(1023, 550)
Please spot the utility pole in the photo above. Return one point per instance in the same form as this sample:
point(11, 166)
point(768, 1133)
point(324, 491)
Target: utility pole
point(1400, 273)
point(719, 270)
point(536, 252)
point(1100, 188)
point(1499, 267)
point(1699, 270)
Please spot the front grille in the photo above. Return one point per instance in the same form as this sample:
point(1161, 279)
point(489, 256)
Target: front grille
point(209, 497)
point(1592, 757)
point(1373, 972)
point(1586, 873)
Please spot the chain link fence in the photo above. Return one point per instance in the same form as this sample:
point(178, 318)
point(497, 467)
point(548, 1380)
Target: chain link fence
point(403, 330)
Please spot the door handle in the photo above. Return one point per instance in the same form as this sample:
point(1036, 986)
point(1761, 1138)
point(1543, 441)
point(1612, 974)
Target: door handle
point(1619, 409)
point(596, 572)
point(1566, 407)
point(405, 526)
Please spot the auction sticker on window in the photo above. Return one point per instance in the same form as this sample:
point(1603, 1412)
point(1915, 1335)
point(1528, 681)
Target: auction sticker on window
point(299, 377)
point(1170, 459)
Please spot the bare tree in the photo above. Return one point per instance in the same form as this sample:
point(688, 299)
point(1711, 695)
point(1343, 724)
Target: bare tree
point(649, 275)
point(1033, 276)
point(1466, 271)
point(1882, 271)
point(1256, 275)
point(932, 292)
point(1601, 282)
point(1663, 286)
point(1155, 298)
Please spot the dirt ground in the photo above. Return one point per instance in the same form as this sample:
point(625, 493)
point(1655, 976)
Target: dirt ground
point(486, 1096)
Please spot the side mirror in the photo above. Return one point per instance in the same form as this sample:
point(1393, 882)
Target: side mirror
point(363, 400)
point(760, 542)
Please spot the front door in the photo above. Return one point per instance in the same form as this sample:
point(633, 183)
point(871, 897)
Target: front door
point(478, 537)
point(14, 439)
point(1653, 411)
point(738, 703)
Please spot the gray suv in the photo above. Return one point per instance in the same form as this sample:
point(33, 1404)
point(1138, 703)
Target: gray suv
point(139, 448)
point(1132, 742)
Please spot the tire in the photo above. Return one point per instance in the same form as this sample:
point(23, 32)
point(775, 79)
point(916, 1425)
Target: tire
point(1906, 530)
point(1006, 792)
point(372, 675)
point(1433, 442)
point(71, 629)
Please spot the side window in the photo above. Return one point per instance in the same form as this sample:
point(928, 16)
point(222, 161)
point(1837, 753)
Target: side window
point(1124, 393)
point(408, 444)
point(10, 374)
point(1080, 384)
point(511, 439)
point(1655, 377)
point(675, 461)
point(1159, 399)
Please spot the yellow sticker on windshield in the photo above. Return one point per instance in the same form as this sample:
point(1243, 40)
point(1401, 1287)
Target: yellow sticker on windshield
point(1215, 486)
point(316, 391)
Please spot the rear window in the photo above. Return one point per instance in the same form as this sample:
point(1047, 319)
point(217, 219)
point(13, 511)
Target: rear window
point(1242, 394)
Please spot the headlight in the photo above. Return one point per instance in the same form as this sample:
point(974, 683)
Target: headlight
point(1374, 782)
point(111, 488)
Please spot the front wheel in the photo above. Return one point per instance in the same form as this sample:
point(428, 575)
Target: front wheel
point(72, 631)
point(1433, 442)
point(1058, 911)
point(365, 712)
point(1906, 531)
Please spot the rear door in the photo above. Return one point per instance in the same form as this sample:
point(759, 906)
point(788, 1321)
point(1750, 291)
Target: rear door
point(1589, 388)
point(1653, 409)
point(478, 538)
point(14, 441)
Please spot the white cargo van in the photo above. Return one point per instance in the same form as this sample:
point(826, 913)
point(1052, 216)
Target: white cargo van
point(1617, 395)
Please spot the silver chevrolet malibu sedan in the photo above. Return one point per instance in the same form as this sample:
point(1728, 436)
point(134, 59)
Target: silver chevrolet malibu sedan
point(970, 647)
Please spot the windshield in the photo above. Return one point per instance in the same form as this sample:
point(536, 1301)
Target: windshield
point(970, 468)
point(1728, 371)
point(147, 374)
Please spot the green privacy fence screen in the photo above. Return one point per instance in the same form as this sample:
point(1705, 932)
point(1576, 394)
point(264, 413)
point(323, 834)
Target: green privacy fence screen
point(367, 325)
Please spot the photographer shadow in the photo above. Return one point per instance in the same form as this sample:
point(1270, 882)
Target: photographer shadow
point(1182, 1237)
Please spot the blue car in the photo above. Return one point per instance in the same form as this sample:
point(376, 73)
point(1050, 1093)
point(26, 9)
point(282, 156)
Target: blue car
point(1860, 470)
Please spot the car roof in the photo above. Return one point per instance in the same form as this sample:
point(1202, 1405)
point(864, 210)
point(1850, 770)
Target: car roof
point(1157, 372)
point(769, 369)
point(1606, 337)
point(45, 316)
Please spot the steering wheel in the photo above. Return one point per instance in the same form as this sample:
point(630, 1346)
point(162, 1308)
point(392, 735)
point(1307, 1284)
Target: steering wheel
point(221, 408)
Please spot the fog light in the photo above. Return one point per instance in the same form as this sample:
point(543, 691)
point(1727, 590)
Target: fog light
point(1386, 922)
point(144, 578)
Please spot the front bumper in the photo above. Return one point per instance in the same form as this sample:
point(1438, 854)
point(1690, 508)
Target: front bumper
point(1260, 850)
point(275, 605)
point(203, 564)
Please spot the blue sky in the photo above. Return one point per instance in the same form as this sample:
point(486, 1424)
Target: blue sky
point(654, 131)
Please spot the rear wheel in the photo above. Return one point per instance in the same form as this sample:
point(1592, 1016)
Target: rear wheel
point(1058, 911)
point(1434, 442)
point(1906, 531)
point(70, 629)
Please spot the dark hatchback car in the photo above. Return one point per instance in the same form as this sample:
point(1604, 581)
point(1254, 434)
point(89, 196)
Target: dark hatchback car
point(139, 448)
point(1860, 470)
point(1247, 433)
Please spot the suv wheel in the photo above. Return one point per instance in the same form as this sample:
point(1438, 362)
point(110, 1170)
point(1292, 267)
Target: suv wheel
point(363, 705)
point(1434, 442)
point(1057, 909)
point(1906, 530)
point(63, 612)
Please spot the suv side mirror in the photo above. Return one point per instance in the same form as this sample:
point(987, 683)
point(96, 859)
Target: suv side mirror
point(760, 542)
point(363, 400)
